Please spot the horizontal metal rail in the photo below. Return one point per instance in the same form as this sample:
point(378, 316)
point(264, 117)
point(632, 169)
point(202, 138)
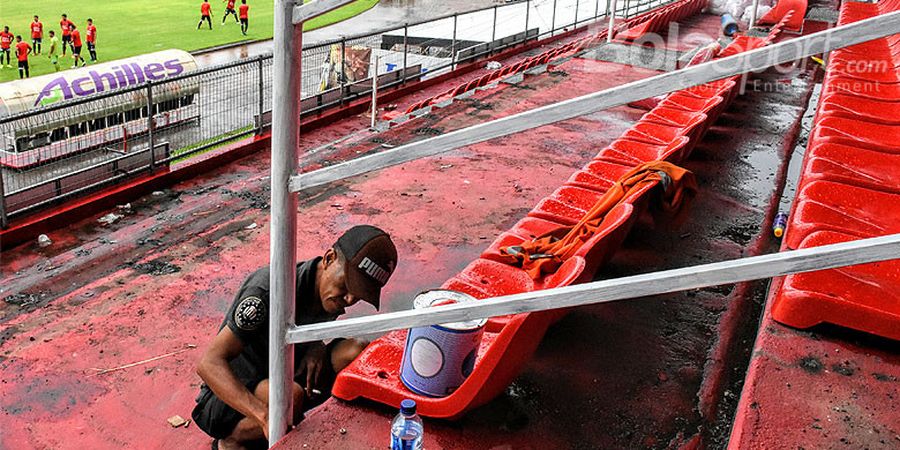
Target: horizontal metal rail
point(63, 177)
point(727, 272)
point(119, 174)
point(751, 61)
point(304, 12)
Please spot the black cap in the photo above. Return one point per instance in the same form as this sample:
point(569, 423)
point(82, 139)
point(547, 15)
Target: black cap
point(370, 259)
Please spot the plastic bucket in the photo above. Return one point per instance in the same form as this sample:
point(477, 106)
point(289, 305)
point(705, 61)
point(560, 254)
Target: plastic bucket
point(438, 359)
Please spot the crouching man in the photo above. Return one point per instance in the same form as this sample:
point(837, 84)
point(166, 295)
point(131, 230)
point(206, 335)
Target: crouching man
point(232, 406)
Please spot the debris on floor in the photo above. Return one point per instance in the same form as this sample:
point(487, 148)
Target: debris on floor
point(44, 240)
point(109, 219)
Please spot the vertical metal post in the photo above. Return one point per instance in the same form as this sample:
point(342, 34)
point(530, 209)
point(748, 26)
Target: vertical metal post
point(286, 67)
point(494, 27)
point(596, 9)
point(753, 15)
point(553, 19)
point(262, 93)
point(405, 48)
point(527, 14)
point(4, 221)
point(576, 14)
point(150, 125)
point(375, 90)
point(343, 74)
point(612, 22)
point(453, 44)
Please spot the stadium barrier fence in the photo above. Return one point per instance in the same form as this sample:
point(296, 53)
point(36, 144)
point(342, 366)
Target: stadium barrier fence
point(74, 147)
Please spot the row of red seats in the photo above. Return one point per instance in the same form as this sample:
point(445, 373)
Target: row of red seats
point(850, 187)
point(667, 132)
point(655, 20)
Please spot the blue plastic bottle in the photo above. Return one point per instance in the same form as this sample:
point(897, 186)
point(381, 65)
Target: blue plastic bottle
point(729, 25)
point(407, 431)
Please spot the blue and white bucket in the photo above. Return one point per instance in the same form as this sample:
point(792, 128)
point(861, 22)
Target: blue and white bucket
point(439, 358)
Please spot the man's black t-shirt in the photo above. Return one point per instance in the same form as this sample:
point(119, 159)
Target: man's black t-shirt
point(248, 319)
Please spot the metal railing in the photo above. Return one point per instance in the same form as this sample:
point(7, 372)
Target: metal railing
point(199, 111)
point(283, 332)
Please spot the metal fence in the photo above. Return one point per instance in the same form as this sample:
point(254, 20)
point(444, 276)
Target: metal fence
point(73, 147)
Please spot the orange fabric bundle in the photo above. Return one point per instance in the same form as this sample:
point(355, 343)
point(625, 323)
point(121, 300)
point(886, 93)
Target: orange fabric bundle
point(545, 254)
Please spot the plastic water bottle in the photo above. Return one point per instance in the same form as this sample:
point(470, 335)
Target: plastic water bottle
point(779, 224)
point(729, 25)
point(407, 431)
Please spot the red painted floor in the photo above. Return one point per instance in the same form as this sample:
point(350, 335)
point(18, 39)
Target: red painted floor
point(661, 372)
point(159, 280)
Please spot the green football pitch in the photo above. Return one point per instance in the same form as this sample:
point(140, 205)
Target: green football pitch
point(133, 27)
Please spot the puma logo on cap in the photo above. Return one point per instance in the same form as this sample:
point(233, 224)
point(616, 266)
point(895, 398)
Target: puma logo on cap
point(374, 270)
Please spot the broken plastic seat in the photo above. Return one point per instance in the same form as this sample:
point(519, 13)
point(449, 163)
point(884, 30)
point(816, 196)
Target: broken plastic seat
point(501, 356)
point(740, 44)
point(781, 9)
point(863, 297)
point(824, 205)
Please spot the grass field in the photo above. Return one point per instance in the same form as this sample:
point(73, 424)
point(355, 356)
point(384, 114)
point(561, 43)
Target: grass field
point(133, 27)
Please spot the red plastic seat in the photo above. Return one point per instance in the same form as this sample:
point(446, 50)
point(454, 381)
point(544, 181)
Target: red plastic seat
point(654, 133)
point(837, 85)
point(532, 227)
point(856, 133)
point(852, 210)
point(853, 166)
point(634, 153)
point(863, 297)
point(598, 250)
point(708, 106)
point(567, 205)
point(854, 107)
point(588, 180)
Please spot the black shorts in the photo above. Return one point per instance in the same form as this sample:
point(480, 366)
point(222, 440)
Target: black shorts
point(217, 419)
point(230, 11)
point(36, 40)
point(76, 50)
point(90, 46)
point(23, 64)
point(67, 38)
point(244, 20)
point(4, 50)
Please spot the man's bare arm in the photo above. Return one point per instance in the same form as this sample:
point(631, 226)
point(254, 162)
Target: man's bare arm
point(217, 374)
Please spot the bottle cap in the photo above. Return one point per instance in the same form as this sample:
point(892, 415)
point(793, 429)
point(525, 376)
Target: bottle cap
point(408, 407)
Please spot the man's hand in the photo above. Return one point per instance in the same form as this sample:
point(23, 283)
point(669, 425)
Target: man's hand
point(312, 363)
point(263, 419)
